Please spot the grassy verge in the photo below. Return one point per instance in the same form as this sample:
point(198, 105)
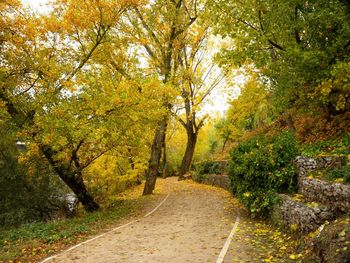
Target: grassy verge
point(33, 242)
point(337, 146)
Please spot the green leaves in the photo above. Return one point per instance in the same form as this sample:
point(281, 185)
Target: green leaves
point(261, 167)
point(295, 44)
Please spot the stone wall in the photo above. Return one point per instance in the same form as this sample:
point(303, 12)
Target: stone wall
point(217, 180)
point(306, 164)
point(330, 199)
point(294, 215)
point(334, 195)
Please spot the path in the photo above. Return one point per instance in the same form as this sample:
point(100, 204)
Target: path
point(192, 225)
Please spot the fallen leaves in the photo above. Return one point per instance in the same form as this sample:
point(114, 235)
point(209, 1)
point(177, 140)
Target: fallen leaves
point(256, 241)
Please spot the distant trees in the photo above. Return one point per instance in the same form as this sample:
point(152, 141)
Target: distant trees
point(251, 109)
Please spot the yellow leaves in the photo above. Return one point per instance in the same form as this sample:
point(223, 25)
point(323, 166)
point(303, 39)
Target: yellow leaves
point(247, 194)
point(267, 244)
point(268, 260)
point(298, 197)
point(326, 89)
point(81, 14)
point(339, 180)
point(131, 2)
point(295, 256)
point(62, 141)
point(312, 204)
point(293, 227)
point(335, 90)
point(342, 233)
point(341, 102)
point(47, 138)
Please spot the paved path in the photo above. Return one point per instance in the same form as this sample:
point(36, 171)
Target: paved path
point(192, 225)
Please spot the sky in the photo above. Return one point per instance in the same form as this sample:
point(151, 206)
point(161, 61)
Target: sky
point(36, 4)
point(219, 100)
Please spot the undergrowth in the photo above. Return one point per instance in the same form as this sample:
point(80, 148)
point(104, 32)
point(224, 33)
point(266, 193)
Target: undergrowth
point(261, 167)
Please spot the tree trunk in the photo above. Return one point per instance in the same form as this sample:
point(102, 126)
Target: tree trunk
point(156, 153)
point(74, 181)
point(78, 187)
point(225, 141)
point(187, 159)
point(164, 163)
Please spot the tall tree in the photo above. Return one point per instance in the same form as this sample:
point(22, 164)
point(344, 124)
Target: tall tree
point(42, 60)
point(160, 27)
point(200, 76)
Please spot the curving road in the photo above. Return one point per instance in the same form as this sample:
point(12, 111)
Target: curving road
point(191, 225)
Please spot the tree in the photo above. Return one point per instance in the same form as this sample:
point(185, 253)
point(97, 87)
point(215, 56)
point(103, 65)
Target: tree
point(251, 109)
point(43, 60)
point(161, 27)
point(298, 45)
point(200, 76)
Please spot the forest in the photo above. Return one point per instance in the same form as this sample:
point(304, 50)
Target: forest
point(100, 96)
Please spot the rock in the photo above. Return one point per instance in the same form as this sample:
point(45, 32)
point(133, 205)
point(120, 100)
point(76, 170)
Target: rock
point(217, 180)
point(295, 214)
point(336, 196)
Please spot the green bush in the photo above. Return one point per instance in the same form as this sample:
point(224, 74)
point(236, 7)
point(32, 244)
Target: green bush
point(28, 191)
point(208, 167)
point(198, 177)
point(261, 167)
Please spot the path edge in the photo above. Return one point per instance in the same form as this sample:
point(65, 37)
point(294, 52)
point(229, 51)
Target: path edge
point(108, 232)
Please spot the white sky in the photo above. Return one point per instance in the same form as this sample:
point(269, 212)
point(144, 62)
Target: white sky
point(219, 100)
point(36, 4)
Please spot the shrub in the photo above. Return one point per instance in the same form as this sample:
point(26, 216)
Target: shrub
point(261, 167)
point(198, 177)
point(210, 167)
point(28, 191)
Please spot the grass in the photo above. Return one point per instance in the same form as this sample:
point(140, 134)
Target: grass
point(336, 175)
point(338, 146)
point(33, 242)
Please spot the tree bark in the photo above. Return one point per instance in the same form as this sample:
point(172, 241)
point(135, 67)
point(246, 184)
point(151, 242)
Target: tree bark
point(78, 187)
point(187, 159)
point(164, 161)
point(225, 141)
point(73, 180)
point(156, 153)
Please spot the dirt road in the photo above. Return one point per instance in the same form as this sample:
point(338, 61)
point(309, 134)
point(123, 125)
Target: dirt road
point(192, 225)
